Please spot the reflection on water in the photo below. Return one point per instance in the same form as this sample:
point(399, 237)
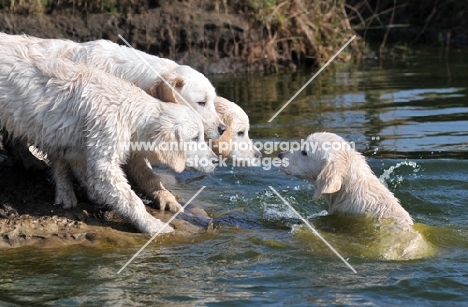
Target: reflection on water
point(409, 118)
point(417, 108)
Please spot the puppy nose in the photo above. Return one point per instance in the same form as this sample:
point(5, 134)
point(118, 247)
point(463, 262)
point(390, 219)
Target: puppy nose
point(281, 155)
point(258, 155)
point(221, 128)
point(215, 160)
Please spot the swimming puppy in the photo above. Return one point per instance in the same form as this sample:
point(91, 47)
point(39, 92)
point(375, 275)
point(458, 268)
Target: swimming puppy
point(341, 175)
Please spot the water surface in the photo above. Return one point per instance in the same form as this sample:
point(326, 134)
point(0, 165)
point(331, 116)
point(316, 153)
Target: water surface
point(409, 117)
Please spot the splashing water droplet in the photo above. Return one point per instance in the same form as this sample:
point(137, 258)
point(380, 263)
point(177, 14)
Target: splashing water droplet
point(386, 175)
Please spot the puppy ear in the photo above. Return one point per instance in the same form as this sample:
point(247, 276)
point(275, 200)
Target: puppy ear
point(223, 145)
point(179, 82)
point(165, 91)
point(330, 178)
point(179, 157)
point(173, 153)
point(221, 106)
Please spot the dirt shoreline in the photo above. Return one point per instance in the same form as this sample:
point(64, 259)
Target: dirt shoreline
point(29, 217)
point(211, 36)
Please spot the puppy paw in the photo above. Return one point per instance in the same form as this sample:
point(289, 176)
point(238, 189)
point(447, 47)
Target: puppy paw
point(166, 200)
point(159, 227)
point(66, 199)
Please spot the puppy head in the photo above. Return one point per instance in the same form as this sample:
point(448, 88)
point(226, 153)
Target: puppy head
point(235, 142)
point(323, 160)
point(180, 141)
point(186, 85)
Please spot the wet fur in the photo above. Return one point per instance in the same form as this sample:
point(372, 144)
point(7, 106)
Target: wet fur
point(344, 179)
point(126, 63)
point(237, 132)
point(351, 189)
point(137, 67)
point(79, 115)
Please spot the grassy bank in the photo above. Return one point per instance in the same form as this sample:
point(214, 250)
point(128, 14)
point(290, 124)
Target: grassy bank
point(265, 34)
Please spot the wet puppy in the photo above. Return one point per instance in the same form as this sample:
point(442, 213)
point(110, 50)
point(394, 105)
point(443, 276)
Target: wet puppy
point(85, 119)
point(235, 142)
point(182, 83)
point(341, 175)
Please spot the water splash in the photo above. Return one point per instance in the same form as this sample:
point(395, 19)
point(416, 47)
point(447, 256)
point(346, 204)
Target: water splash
point(274, 212)
point(272, 208)
point(388, 174)
point(237, 198)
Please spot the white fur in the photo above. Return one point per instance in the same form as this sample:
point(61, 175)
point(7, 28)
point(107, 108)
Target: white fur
point(126, 63)
point(344, 179)
point(122, 62)
point(80, 116)
point(235, 142)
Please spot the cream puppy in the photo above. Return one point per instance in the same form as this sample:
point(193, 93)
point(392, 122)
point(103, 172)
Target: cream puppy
point(182, 84)
point(235, 142)
point(85, 118)
point(341, 175)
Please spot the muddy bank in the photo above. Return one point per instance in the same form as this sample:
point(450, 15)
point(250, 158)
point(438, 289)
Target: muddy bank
point(29, 217)
point(212, 36)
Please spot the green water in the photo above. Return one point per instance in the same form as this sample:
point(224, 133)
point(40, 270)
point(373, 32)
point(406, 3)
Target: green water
point(409, 117)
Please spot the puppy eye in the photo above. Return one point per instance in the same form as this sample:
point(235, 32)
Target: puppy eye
point(201, 103)
point(304, 153)
point(240, 133)
point(195, 139)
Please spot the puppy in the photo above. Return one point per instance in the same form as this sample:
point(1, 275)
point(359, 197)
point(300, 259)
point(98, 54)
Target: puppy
point(126, 63)
point(341, 175)
point(235, 142)
point(84, 119)
point(183, 83)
